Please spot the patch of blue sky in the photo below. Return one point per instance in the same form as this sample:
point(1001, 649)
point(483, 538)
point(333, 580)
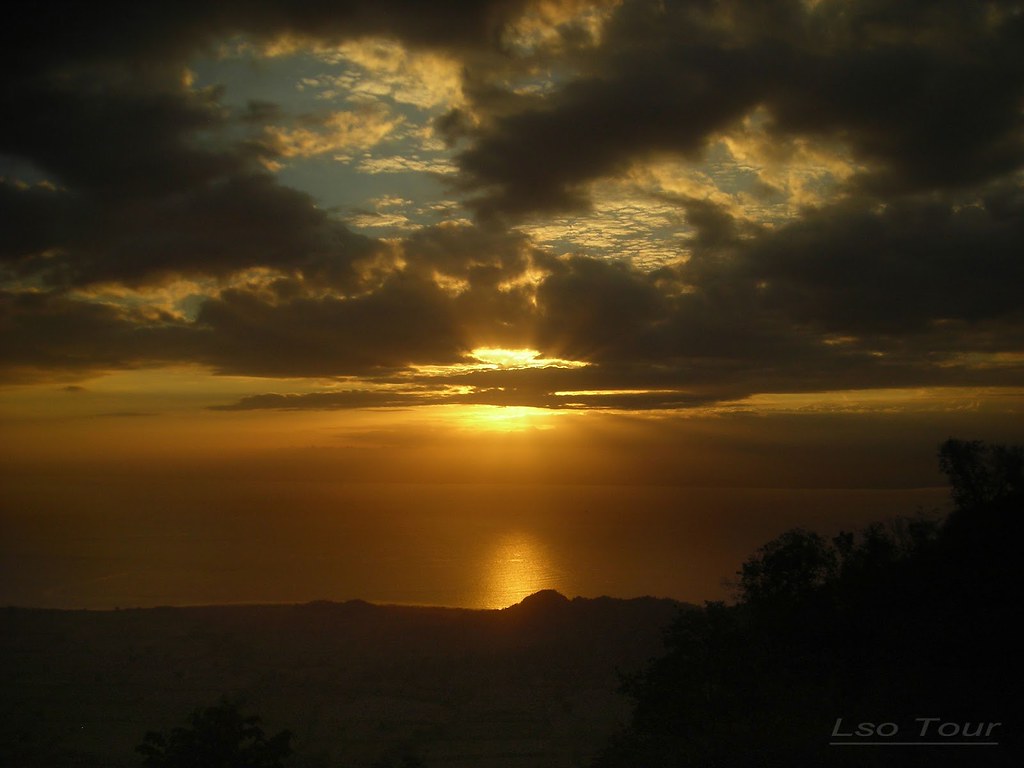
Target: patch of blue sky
point(406, 164)
point(245, 76)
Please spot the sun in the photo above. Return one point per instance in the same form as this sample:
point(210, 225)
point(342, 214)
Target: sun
point(513, 359)
point(507, 418)
point(495, 416)
point(506, 358)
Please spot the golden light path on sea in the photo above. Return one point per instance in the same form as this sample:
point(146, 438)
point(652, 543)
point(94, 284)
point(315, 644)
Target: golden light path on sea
point(515, 568)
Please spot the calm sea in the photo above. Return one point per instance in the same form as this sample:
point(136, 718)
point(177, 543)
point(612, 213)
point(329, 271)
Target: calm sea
point(89, 543)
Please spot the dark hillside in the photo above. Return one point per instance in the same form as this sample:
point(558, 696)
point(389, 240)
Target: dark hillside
point(534, 684)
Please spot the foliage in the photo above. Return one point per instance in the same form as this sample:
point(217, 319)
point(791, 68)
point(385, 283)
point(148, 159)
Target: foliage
point(897, 621)
point(788, 567)
point(216, 737)
point(980, 473)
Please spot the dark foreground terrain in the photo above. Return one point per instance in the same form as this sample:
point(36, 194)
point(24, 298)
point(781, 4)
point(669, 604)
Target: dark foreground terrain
point(531, 685)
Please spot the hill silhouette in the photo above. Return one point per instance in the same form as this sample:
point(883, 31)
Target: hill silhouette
point(545, 601)
point(531, 685)
point(903, 630)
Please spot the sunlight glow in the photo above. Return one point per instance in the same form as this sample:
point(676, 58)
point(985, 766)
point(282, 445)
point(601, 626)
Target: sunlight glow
point(505, 418)
point(496, 357)
point(517, 567)
point(896, 399)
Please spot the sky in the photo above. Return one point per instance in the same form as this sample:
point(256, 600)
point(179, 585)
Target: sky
point(630, 242)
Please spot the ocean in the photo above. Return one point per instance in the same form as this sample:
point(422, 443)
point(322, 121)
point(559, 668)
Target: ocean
point(101, 543)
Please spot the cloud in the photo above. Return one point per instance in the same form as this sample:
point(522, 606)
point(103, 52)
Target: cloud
point(504, 398)
point(902, 269)
point(384, 68)
point(924, 97)
point(156, 176)
point(47, 334)
point(292, 333)
point(405, 164)
point(358, 129)
point(868, 234)
point(99, 132)
point(216, 228)
point(927, 95)
point(916, 295)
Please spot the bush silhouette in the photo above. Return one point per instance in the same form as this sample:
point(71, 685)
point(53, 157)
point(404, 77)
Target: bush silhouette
point(895, 622)
point(216, 737)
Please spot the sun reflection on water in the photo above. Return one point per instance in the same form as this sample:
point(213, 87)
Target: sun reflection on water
point(516, 567)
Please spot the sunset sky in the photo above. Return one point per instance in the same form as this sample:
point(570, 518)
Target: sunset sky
point(648, 243)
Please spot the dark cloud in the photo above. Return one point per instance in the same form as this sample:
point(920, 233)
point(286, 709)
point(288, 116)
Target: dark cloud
point(912, 278)
point(329, 317)
point(902, 269)
point(33, 220)
point(926, 95)
point(847, 297)
point(48, 333)
point(66, 32)
point(406, 320)
point(596, 310)
point(338, 400)
point(511, 393)
point(117, 135)
point(213, 229)
point(481, 257)
point(152, 178)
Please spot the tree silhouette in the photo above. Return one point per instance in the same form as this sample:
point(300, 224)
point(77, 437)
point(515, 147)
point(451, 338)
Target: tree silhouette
point(889, 622)
point(788, 567)
point(981, 473)
point(216, 737)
